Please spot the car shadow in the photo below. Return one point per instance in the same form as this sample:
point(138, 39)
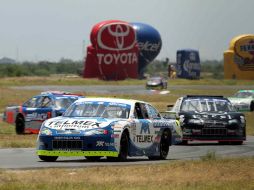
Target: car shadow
point(104, 160)
point(208, 144)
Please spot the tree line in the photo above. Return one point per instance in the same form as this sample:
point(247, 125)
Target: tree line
point(213, 67)
point(66, 66)
point(43, 68)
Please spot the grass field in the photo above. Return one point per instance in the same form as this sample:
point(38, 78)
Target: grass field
point(209, 174)
point(74, 80)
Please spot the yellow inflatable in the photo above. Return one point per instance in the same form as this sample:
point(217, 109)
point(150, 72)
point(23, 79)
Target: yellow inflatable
point(239, 58)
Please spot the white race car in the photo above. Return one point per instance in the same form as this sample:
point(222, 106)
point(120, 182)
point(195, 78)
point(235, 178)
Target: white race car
point(243, 100)
point(115, 128)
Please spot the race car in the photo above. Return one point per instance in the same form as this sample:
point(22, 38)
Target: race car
point(29, 116)
point(107, 127)
point(156, 82)
point(209, 118)
point(243, 100)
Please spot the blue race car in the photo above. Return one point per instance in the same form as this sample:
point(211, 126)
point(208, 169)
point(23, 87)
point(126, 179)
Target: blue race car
point(29, 116)
point(115, 128)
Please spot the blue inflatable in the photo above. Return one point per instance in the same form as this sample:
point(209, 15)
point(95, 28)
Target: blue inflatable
point(149, 43)
point(188, 64)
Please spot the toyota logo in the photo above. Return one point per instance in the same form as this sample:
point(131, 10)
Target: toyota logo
point(116, 36)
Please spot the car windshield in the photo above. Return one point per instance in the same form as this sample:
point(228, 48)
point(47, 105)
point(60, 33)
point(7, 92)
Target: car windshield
point(98, 109)
point(206, 105)
point(244, 94)
point(64, 102)
point(157, 79)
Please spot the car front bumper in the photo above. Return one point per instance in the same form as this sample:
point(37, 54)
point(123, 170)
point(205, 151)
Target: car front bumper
point(100, 145)
point(214, 133)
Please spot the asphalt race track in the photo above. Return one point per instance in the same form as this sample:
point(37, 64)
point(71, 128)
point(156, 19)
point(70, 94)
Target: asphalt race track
point(126, 89)
point(25, 158)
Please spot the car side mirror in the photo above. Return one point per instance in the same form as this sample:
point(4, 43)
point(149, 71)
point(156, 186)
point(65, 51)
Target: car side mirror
point(169, 107)
point(168, 115)
point(59, 114)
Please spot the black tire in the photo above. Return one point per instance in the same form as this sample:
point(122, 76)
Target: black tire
point(184, 142)
point(224, 142)
point(93, 158)
point(48, 158)
point(20, 125)
point(164, 146)
point(252, 106)
point(236, 142)
point(124, 148)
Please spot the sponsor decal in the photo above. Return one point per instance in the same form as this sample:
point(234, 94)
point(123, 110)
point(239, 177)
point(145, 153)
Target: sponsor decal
point(148, 46)
point(37, 116)
point(145, 128)
point(115, 136)
point(189, 67)
point(103, 143)
point(244, 53)
point(67, 138)
point(162, 124)
point(192, 57)
point(73, 124)
point(112, 58)
point(145, 136)
point(117, 41)
point(116, 37)
point(133, 128)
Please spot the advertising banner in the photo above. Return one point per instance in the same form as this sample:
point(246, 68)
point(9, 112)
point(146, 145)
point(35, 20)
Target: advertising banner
point(188, 64)
point(239, 59)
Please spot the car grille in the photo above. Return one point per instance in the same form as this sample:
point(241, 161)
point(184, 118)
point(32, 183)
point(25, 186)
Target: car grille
point(214, 123)
point(214, 131)
point(67, 144)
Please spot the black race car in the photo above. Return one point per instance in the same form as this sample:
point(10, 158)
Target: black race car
point(211, 118)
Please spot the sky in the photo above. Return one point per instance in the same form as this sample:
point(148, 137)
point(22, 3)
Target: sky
point(36, 30)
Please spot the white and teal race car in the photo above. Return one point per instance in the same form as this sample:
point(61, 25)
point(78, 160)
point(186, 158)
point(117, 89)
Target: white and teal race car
point(243, 100)
point(108, 127)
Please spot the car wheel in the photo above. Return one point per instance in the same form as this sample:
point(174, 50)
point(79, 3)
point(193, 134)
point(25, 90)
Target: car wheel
point(252, 106)
point(48, 158)
point(124, 148)
point(164, 147)
point(93, 158)
point(20, 125)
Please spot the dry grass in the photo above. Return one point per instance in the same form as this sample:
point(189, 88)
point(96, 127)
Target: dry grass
point(8, 138)
point(76, 80)
point(219, 174)
point(63, 80)
point(14, 97)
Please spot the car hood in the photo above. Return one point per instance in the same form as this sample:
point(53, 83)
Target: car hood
point(239, 100)
point(224, 116)
point(76, 123)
